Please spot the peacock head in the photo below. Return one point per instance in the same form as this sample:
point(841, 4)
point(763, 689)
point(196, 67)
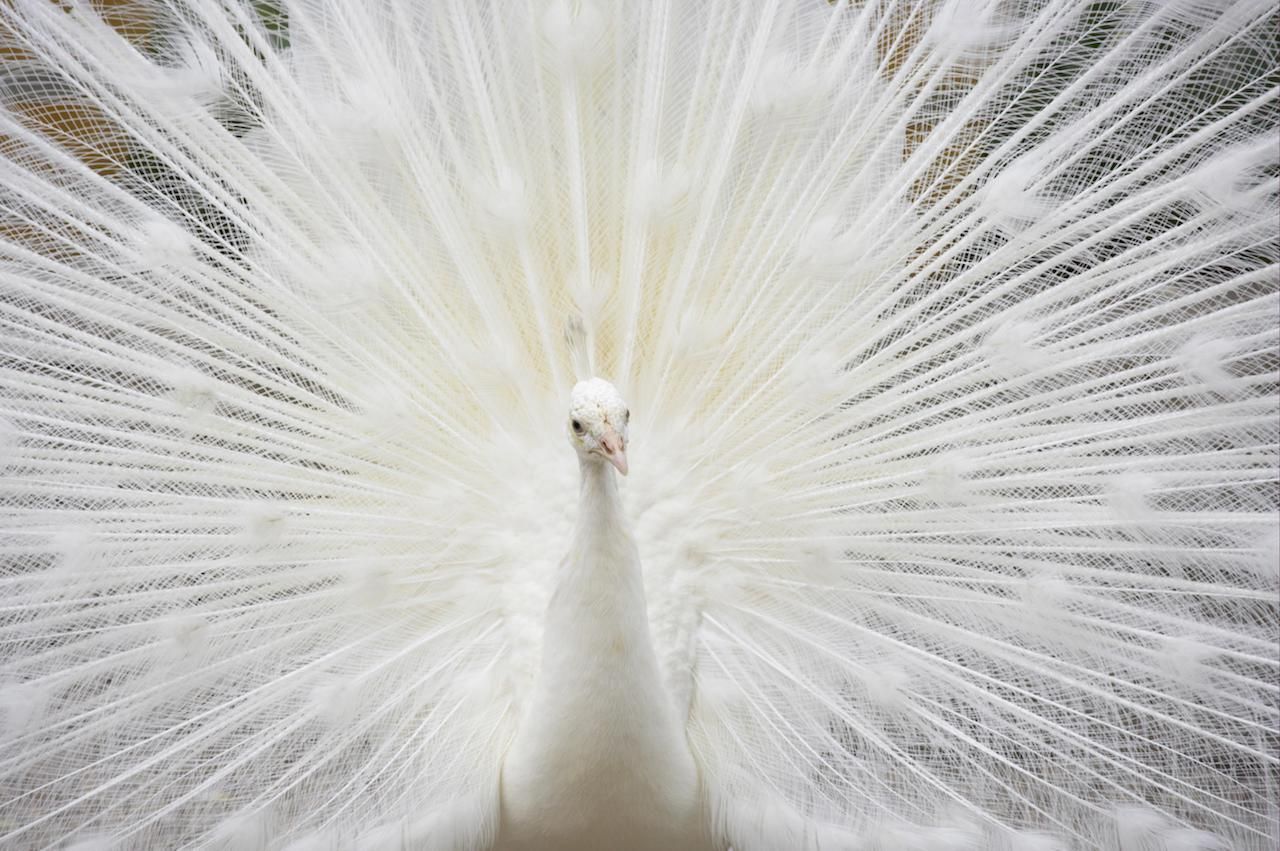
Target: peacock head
point(598, 419)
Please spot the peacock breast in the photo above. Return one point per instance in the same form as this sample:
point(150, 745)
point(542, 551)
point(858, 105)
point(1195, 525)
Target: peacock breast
point(576, 800)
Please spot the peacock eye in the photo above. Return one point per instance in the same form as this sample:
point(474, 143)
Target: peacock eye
point(626, 415)
point(577, 426)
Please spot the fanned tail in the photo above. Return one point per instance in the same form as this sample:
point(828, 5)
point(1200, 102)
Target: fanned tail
point(949, 331)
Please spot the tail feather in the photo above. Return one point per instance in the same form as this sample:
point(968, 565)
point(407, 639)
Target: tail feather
point(950, 334)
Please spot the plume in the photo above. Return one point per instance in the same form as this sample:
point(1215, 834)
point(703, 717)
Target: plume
point(949, 331)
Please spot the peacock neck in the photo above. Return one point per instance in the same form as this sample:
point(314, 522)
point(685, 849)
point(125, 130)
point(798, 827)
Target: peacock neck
point(597, 624)
point(600, 516)
point(601, 759)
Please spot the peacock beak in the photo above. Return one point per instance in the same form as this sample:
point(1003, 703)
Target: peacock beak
point(613, 447)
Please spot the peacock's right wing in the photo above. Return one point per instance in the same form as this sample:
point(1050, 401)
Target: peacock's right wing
point(267, 575)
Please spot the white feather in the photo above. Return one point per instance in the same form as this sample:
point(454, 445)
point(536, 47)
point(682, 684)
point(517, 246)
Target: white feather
point(949, 335)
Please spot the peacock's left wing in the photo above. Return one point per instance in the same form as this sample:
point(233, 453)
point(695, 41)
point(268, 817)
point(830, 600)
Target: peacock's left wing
point(956, 443)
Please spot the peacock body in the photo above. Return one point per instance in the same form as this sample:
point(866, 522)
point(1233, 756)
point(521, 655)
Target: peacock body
point(947, 333)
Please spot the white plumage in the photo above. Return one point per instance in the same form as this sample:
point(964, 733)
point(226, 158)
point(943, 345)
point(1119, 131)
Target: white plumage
point(600, 759)
point(949, 334)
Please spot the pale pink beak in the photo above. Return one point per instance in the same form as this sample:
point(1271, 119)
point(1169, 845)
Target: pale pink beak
point(613, 448)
